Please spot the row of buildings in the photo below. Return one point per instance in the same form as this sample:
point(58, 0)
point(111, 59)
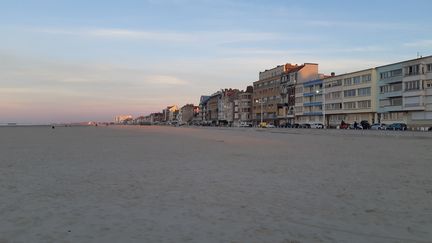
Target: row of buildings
point(291, 93)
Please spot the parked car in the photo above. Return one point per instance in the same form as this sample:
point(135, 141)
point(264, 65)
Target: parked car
point(263, 125)
point(295, 125)
point(365, 124)
point(359, 126)
point(305, 125)
point(430, 129)
point(379, 126)
point(270, 125)
point(397, 126)
point(288, 125)
point(317, 125)
point(245, 124)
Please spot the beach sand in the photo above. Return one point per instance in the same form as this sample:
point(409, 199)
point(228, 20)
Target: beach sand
point(168, 184)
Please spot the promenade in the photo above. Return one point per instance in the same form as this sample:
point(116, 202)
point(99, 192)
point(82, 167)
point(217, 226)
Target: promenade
point(200, 184)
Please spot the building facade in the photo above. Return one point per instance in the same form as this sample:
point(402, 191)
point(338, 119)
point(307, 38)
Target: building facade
point(351, 97)
point(243, 107)
point(274, 92)
point(213, 107)
point(405, 92)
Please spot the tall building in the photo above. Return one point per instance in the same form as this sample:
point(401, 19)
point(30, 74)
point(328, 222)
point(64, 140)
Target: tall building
point(170, 113)
point(405, 92)
point(186, 113)
point(351, 97)
point(122, 118)
point(274, 92)
point(226, 106)
point(213, 107)
point(243, 107)
point(309, 101)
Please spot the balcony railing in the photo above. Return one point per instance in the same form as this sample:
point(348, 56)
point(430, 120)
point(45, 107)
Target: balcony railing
point(312, 103)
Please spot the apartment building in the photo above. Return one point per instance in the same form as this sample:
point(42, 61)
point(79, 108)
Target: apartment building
point(309, 101)
point(202, 115)
point(170, 113)
point(213, 107)
point(350, 97)
point(274, 92)
point(121, 118)
point(243, 107)
point(226, 106)
point(405, 92)
point(186, 114)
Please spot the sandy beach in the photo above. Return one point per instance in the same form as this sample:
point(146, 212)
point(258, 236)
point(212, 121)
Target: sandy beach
point(179, 184)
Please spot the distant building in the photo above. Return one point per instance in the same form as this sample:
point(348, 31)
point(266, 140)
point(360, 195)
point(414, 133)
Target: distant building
point(226, 106)
point(202, 115)
point(122, 118)
point(156, 118)
point(186, 113)
point(274, 92)
point(213, 106)
point(243, 107)
point(170, 113)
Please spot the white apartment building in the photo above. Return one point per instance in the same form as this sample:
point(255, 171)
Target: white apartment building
point(351, 97)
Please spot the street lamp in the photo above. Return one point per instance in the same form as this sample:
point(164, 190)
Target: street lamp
point(261, 101)
point(323, 103)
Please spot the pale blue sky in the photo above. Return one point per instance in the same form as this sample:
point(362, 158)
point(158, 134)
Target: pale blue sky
point(90, 60)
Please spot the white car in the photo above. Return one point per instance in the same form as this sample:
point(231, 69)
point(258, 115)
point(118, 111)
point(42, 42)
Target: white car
point(270, 126)
point(379, 126)
point(317, 125)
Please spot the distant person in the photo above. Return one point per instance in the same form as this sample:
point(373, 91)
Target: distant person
point(355, 125)
point(53, 127)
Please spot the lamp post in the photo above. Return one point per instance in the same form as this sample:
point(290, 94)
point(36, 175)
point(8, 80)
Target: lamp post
point(322, 91)
point(261, 101)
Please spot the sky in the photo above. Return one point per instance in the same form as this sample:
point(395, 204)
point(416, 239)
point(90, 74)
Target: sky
point(80, 60)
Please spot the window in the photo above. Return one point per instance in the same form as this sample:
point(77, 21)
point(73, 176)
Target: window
point(412, 70)
point(396, 101)
point(336, 95)
point(391, 88)
point(349, 105)
point(391, 74)
point(299, 90)
point(393, 115)
point(349, 93)
point(429, 67)
point(412, 85)
point(347, 82)
point(364, 104)
point(412, 101)
point(366, 78)
point(299, 100)
point(428, 83)
point(356, 80)
point(364, 91)
point(334, 106)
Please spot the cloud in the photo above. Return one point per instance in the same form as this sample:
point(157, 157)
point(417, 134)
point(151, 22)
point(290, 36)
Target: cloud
point(362, 25)
point(193, 37)
point(419, 43)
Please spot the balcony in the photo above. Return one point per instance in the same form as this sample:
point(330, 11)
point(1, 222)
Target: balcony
point(390, 108)
point(391, 94)
point(309, 94)
point(397, 79)
point(313, 104)
point(414, 107)
point(312, 83)
point(313, 113)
